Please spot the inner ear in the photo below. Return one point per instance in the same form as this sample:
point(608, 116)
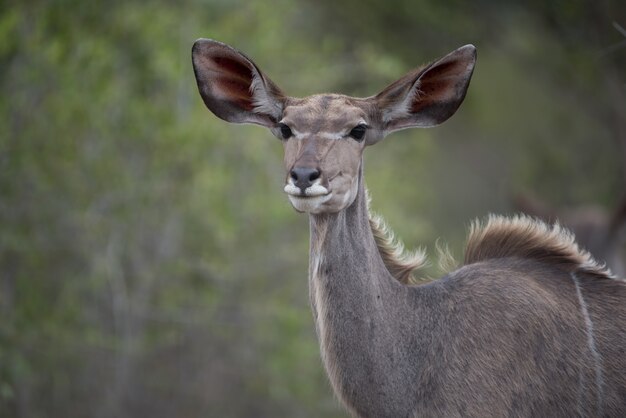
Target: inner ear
point(233, 87)
point(233, 81)
point(429, 95)
point(439, 86)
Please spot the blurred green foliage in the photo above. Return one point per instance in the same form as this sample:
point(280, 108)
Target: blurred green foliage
point(150, 265)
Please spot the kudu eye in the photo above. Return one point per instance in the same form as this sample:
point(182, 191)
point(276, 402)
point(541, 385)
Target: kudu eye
point(285, 131)
point(358, 132)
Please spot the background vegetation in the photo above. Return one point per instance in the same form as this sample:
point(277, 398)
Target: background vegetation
point(149, 262)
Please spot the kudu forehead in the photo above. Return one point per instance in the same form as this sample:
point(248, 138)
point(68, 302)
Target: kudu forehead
point(320, 151)
point(324, 113)
point(319, 124)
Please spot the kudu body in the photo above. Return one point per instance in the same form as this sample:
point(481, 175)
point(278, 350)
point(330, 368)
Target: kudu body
point(529, 326)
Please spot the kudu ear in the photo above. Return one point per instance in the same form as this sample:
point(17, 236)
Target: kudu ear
point(233, 87)
point(428, 95)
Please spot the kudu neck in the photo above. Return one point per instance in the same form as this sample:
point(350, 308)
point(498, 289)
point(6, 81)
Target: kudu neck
point(354, 300)
point(345, 238)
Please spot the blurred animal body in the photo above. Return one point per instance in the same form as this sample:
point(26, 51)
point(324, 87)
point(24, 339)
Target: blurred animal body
point(599, 231)
point(530, 325)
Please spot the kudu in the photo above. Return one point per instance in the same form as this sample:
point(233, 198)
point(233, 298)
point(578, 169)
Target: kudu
point(530, 325)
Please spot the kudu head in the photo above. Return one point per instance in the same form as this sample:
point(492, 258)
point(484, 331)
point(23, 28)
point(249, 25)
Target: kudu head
point(324, 135)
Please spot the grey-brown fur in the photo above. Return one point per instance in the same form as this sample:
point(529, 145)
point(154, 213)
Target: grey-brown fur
point(500, 337)
point(529, 327)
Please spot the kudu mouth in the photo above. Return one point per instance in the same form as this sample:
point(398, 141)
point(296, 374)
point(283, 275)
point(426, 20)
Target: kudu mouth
point(314, 190)
point(294, 188)
point(322, 195)
point(307, 194)
point(310, 199)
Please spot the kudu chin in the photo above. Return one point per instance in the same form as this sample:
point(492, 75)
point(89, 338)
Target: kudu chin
point(529, 326)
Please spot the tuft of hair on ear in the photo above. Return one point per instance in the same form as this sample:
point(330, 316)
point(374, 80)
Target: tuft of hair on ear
point(267, 98)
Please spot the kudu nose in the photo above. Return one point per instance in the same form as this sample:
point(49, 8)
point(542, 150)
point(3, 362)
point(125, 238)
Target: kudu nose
point(304, 177)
